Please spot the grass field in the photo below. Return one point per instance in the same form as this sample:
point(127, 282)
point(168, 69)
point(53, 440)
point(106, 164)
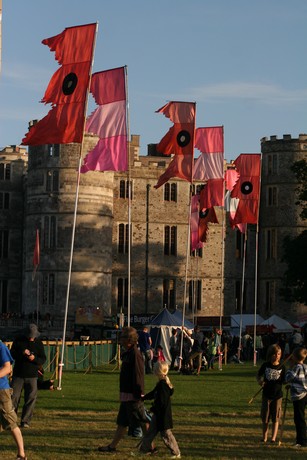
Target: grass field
point(212, 419)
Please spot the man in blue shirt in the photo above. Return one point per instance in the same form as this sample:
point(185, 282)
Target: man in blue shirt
point(8, 417)
point(145, 343)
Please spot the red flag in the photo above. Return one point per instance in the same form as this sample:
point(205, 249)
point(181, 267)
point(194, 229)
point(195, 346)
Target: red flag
point(180, 166)
point(212, 194)
point(108, 121)
point(67, 89)
point(179, 141)
point(36, 255)
point(247, 188)
point(206, 216)
point(231, 177)
point(231, 204)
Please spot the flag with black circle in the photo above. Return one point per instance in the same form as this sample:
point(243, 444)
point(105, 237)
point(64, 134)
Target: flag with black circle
point(178, 141)
point(68, 88)
point(206, 216)
point(247, 188)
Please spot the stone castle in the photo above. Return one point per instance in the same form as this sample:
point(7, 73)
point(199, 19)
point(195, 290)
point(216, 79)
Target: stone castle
point(38, 191)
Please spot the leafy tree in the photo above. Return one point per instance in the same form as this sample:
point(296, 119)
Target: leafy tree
point(300, 170)
point(295, 249)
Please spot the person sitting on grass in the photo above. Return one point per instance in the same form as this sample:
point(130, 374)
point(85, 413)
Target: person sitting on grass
point(271, 376)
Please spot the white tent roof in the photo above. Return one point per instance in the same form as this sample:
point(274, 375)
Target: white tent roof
point(279, 324)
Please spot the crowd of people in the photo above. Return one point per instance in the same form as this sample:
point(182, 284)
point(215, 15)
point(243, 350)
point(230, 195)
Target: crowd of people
point(190, 350)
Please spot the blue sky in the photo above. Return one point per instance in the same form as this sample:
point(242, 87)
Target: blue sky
point(243, 62)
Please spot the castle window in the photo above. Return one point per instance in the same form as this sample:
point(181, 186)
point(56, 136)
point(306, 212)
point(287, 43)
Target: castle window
point(170, 240)
point(124, 189)
point(270, 296)
point(195, 291)
point(122, 293)
point(196, 189)
point(4, 200)
point(54, 150)
point(197, 252)
point(52, 181)
point(169, 293)
point(272, 164)
point(3, 296)
point(5, 171)
point(123, 238)
point(50, 230)
point(48, 291)
point(272, 196)
point(4, 244)
point(239, 244)
point(271, 244)
point(170, 192)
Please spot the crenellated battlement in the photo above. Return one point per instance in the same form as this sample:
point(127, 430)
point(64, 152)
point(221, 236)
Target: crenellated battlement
point(286, 137)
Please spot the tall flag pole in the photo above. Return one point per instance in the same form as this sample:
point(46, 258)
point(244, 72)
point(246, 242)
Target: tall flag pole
point(129, 204)
point(67, 92)
point(179, 142)
point(247, 193)
point(36, 255)
point(61, 364)
point(242, 296)
point(209, 168)
point(36, 261)
point(256, 275)
point(110, 122)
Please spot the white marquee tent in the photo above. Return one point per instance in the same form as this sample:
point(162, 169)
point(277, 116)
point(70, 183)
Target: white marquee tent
point(161, 330)
point(278, 324)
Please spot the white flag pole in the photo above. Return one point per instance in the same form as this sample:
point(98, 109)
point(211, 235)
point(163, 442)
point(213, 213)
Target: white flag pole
point(61, 363)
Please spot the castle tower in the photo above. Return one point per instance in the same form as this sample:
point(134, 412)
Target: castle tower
point(50, 204)
point(279, 217)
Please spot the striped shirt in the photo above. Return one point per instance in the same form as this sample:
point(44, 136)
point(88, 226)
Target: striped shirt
point(297, 377)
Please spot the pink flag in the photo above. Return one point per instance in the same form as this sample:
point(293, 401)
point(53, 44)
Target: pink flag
point(210, 164)
point(195, 241)
point(210, 140)
point(108, 122)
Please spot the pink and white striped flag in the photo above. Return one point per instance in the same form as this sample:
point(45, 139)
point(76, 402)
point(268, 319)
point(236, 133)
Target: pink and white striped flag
point(108, 122)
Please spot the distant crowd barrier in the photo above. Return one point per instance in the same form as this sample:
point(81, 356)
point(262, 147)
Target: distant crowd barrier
point(86, 355)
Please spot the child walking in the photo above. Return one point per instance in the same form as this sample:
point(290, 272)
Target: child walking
point(297, 377)
point(271, 376)
point(162, 420)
